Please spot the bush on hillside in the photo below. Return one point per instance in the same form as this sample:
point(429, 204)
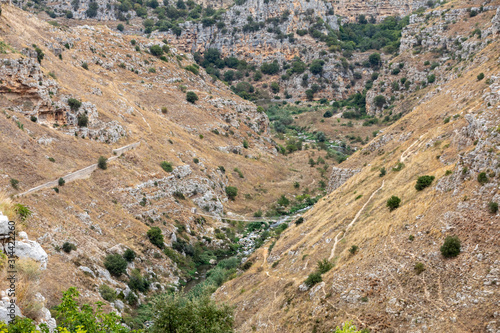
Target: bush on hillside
point(191, 97)
point(167, 166)
point(231, 192)
point(393, 202)
point(313, 279)
point(102, 163)
point(156, 237)
point(451, 247)
point(423, 182)
point(129, 255)
point(115, 264)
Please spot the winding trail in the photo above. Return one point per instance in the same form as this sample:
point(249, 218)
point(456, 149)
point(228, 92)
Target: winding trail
point(332, 254)
point(408, 153)
point(82, 173)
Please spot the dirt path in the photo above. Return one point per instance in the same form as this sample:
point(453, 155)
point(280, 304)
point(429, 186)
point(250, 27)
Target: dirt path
point(82, 173)
point(332, 254)
point(408, 153)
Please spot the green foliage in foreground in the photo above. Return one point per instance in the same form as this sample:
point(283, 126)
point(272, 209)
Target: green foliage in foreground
point(72, 318)
point(177, 313)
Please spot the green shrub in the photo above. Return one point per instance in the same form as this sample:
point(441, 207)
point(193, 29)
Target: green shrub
point(83, 120)
point(23, 211)
point(419, 268)
point(102, 163)
point(382, 172)
point(493, 206)
point(348, 327)
point(34, 119)
point(353, 249)
point(167, 166)
point(129, 255)
point(131, 299)
point(156, 237)
point(231, 192)
point(328, 114)
point(245, 144)
point(393, 202)
point(120, 27)
point(184, 313)
point(451, 247)
point(398, 167)
point(108, 293)
point(423, 182)
point(480, 76)
point(191, 97)
point(313, 278)
point(14, 183)
point(300, 220)
point(178, 195)
point(115, 264)
point(68, 247)
point(137, 282)
point(156, 50)
point(74, 104)
point(61, 182)
point(85, 66)
point(379, 101)
point(324, 266)
point(482, 178)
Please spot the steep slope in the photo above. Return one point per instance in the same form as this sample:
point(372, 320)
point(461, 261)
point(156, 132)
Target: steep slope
point(453, 135)
point(69, 95)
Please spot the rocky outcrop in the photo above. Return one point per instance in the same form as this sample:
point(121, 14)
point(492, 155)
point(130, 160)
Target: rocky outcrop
point(23, 247)
point(339, 176)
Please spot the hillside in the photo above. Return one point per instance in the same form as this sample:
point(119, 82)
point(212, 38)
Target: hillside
point(395, 278)
point(69, 95)
point(250, 148)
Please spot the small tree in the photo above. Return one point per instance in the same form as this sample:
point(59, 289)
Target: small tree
point(14, 183)
point(102, 163)
point(375, 59)
point(300, 220)
point(167, 166)
point(419, 268)
point(156, 237)
point(191, 97)
point(83, 120)
point(120, 27)
point(313, 278)
point(379, 101)
point(393, 202)
point(423, 182)
point(482, 178)
point(231, 192)
point(324, 266)
point(68, 247)
point(74, 104)
point(493, 207)
point(115, 264)
point(156, 50)
point(328, 114)
point(451, 247)
point(480, 76)
point(129, 255)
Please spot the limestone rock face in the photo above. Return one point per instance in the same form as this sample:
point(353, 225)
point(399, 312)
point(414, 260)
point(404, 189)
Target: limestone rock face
point(32, 250)
point(339, 176)
point(24, 248)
